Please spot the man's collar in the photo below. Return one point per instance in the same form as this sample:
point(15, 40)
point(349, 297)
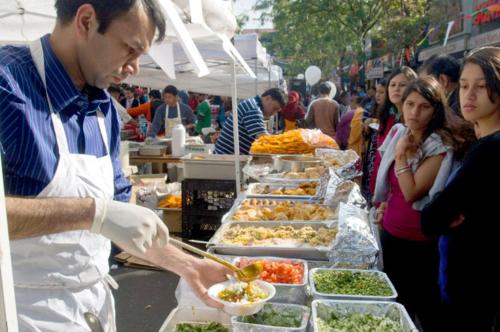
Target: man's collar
point(258, 100)
point(61, 89)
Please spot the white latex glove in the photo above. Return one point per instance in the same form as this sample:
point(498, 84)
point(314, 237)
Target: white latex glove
point(133, 228)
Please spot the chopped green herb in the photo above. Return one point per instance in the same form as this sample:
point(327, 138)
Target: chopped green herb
point(358, 323)
point(351, 283)
point(211, 327)
point(287, 317)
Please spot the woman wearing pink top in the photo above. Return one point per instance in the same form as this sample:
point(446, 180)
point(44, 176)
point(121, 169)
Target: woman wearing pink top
point(391, 110)
point(416, 161)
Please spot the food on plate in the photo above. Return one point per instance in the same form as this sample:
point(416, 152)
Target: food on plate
point(209, 327)
point(242, 292)
point(278, 235)
point(171, 202)
point(281, 210)
point(351, 283)
point(199, 158)
point(269, 316)
point(357, 323)
point(278, 271)
point(298, 141)
point(302, 189)
point(309, 173)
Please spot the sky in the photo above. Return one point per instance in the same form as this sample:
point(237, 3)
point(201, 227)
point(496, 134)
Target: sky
point(245, 6)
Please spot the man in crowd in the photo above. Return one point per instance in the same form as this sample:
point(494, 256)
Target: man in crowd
point(65, 191)
point(251, 114)
point(148, 108)
point(203, 113)
point(323, 113)
point(177, 113)
point(130, 100)
point(446, 69)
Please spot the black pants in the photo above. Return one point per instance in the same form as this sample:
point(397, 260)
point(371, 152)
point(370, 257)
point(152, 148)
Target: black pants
point(412, 267)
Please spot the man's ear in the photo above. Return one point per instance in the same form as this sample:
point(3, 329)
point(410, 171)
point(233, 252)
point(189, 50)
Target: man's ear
point(444, 80)
point(85, 21)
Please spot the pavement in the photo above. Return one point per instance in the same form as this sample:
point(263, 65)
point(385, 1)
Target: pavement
point(144, 298)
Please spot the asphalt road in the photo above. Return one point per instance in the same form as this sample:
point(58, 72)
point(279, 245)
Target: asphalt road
point(144, 298)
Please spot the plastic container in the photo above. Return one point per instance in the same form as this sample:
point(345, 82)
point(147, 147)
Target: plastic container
point(325, 308)
point(318, 295)
point(211, 166)
point(195, 315)
point(178, 140)
point(297, 310)
point(286, 293)
point(242, 309)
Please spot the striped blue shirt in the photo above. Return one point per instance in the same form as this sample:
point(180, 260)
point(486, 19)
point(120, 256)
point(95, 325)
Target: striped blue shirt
point(250, 125)
point(27, 140)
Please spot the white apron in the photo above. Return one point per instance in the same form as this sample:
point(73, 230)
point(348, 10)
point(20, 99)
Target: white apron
point(59, 277)
point(171, 122)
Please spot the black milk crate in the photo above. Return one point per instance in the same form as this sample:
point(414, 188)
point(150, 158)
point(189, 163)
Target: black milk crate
point(210, 197)
point(199, 227)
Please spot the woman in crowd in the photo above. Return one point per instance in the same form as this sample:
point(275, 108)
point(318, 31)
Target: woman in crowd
point(391, 110)
point(465, 211)
point(293, 111)
point(371, 140)
point(416, 161)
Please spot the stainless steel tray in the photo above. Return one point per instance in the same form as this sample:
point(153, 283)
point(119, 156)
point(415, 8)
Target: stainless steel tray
point(228, 217)
point(252, 187)
point(286, 293)
point(288, 251)
point(318, 295)
point(324, 308)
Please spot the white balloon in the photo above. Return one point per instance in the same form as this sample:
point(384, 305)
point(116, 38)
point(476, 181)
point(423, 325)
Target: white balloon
point(313, 75)
point(333, 90)
point(300, 76)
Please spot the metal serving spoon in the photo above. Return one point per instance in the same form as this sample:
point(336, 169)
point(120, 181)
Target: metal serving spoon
point(93, 322)
point(248, 273)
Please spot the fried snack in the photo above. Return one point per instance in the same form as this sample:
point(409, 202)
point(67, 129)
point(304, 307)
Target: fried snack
point(257, 210)
point(297, 141)
point(303, 189)
point(171, 202)
point(279, 235)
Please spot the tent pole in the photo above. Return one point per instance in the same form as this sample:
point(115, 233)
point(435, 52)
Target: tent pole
point(236, 133)
point(256, 77)
point(8, 314)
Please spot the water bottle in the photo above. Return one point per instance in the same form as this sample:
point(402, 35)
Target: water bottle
point(143, 125)
point(178, 140)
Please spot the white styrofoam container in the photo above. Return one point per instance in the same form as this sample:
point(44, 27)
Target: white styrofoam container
point(212, 166)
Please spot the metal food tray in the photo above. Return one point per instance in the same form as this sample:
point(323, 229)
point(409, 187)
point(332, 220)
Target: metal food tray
point(291, 251)
point(318, 295)
point(324, 308)
point(239, 326)
point(228, 217)
point(195, 315)
point(251, 188)
point(211, 166)
point(279, 178)
point(286, 293)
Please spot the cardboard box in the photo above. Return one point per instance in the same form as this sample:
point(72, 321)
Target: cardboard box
point(173, 219)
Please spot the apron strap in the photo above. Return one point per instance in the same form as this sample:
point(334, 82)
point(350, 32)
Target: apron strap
point(36, 50)
point(179, 113)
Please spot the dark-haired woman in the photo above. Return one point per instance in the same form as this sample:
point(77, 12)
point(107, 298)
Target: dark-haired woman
point(416, 162)
point(467, 209)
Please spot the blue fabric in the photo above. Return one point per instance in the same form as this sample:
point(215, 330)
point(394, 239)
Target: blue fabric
point(27, 140)
point(443, 244)
point(250, 125)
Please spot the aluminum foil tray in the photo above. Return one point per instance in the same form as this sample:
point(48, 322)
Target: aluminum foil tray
point(286, 293)
point(250, 193)
point(324, 308)
point(195, 315)
point(318, 295)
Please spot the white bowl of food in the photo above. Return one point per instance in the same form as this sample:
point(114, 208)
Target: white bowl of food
point(242, 298)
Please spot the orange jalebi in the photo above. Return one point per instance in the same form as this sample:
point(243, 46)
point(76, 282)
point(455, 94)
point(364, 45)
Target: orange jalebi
point(298, 141)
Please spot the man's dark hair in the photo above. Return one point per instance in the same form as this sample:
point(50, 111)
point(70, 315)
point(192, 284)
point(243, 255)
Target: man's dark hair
point(171, 89)
point(109, 10)
point(277, 95)
point(155, 94)
point(115, 88)
point(442, 64)
point(129, 88)
point(324, 89)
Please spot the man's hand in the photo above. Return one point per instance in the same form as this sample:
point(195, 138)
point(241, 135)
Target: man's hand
point(201, 275)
